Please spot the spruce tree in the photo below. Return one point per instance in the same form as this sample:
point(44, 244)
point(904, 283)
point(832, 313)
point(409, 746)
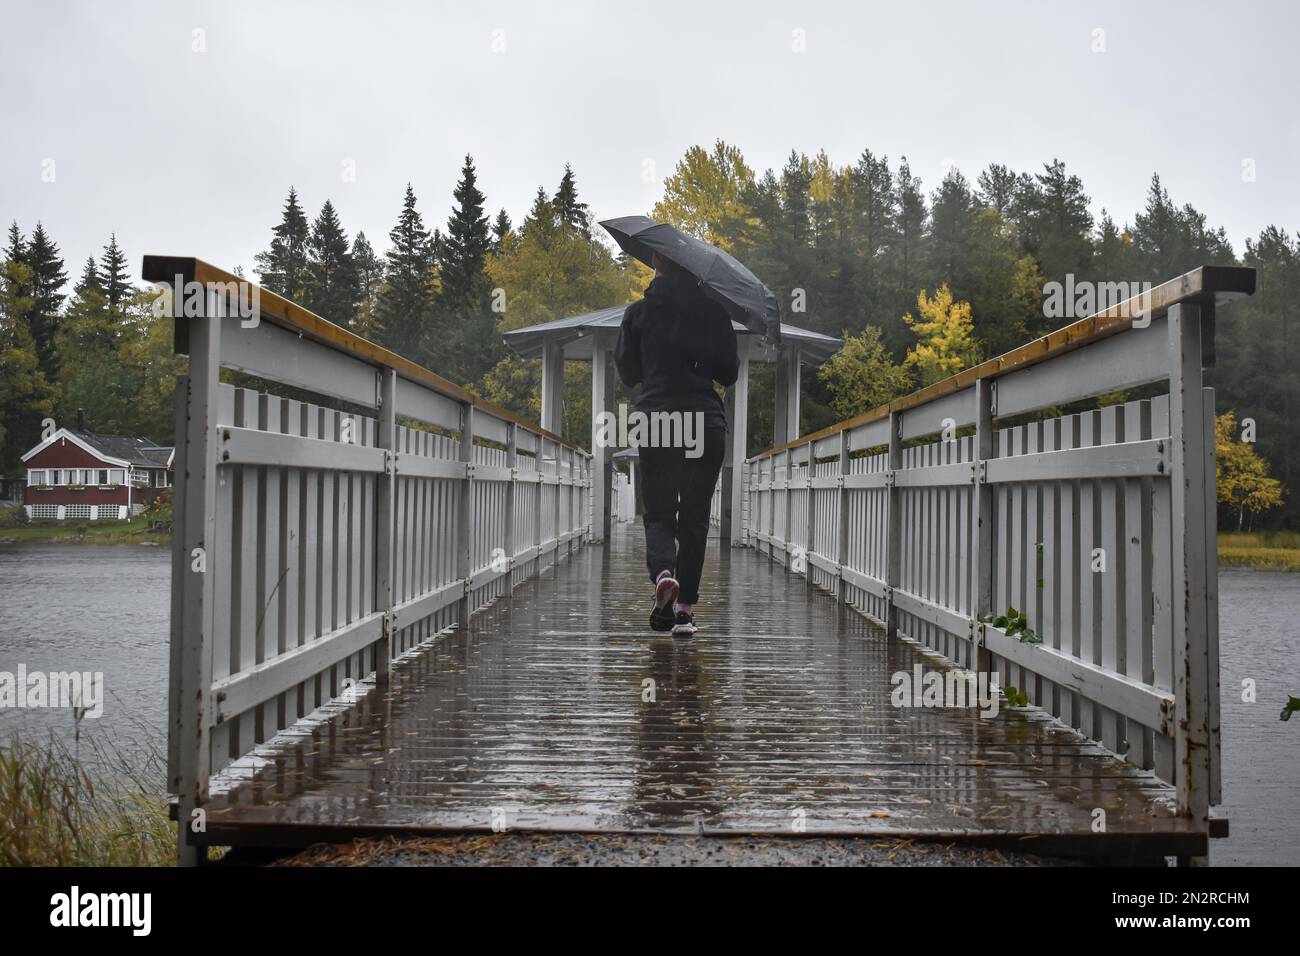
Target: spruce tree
point(468, 240)
point(16, 251)
point(500, 229)
point(331, 283)
point(370, 280)
point(283, 268)
point(91, 280)
point(567, 207)
point(406, 300)
point(467, 344)
point(117, 287)
point(48, 279)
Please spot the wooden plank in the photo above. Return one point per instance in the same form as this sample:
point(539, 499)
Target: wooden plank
point(249, 446)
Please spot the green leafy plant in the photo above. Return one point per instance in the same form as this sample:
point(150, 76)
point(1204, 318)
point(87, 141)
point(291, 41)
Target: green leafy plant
point(1292, 706)
point(1016, 624)
point(1015, 698)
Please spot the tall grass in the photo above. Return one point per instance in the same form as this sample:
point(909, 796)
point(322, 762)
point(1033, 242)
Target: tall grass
point(54, 813)
point(1269, 550)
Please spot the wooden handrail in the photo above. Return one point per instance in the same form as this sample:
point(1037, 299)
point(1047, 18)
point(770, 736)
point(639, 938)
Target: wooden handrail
point(292, 316)
point(1205, 283)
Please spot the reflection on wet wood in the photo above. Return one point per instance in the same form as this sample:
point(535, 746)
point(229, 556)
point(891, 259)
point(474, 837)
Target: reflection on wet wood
point(561, 710)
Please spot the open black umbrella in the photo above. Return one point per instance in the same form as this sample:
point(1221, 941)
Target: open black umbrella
point(721, 275)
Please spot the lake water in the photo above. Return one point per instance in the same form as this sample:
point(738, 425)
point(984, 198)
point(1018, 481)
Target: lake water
point(105, 608)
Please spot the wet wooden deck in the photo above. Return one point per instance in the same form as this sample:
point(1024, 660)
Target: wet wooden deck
point(776, 715)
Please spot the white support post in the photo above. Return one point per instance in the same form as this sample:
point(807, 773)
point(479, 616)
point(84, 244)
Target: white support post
point(602, 464)
point(465, 515)
point(385, 518)
point(792, 392)
point(739, 443)
point(893, 523)
point(810, 521)
point(196, 539)
point(842, 521)
point(1189, 479)
point(982, 522)
point(511, 545)
point(785, 418)
point(553, 388)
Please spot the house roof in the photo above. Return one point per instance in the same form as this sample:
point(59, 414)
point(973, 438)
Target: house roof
point(573, 333)
point(117, 449)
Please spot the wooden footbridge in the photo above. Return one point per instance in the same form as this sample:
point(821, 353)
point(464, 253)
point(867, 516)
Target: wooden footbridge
point(389, 615)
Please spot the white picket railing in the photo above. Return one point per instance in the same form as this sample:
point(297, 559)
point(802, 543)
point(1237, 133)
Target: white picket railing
point(951, 506)
point(316, 541)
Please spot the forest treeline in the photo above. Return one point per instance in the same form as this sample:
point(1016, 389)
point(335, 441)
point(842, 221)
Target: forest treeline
point(919, 281)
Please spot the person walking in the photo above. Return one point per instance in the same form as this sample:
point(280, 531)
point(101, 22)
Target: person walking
point(675, 343)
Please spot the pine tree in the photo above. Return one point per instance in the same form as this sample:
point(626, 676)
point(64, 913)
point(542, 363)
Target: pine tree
point(48, 279)
point(953, 212)
point(567, 206)
point(116, 274)
point(501, 228)
point(907, 254)
point(16, 251)
point(370, 280)
point(283, 268)
point(1059, 230)
point(405, 303)
point(331, 282)
point(91, 280)
point(463, 251)
point(26, 395)
point(468, 344)
point(998, 187)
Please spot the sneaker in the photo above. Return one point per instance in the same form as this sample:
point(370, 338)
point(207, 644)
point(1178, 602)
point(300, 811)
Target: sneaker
point(684, 624)
point(661, 618)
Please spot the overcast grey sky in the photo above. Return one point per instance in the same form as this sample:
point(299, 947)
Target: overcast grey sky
point(192, 153)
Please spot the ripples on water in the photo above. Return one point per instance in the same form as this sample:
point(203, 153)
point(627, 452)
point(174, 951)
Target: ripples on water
point(105, 608)
point(1259, 638)
point(66, 607)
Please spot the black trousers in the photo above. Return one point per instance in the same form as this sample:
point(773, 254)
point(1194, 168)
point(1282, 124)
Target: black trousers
point(676, 492)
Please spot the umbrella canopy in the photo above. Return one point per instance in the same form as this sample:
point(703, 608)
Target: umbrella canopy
point(721, 275)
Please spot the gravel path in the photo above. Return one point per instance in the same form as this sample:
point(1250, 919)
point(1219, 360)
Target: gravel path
point(575, 849)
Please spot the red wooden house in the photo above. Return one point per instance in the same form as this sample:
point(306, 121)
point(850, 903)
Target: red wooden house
point(76, 474)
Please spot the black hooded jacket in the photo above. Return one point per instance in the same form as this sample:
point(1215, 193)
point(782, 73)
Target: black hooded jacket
point(675, 343)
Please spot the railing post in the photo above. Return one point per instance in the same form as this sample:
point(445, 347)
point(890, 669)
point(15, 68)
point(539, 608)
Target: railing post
point(982, 522)
point(1189, 478)
point(196, 560)
point(465, 515)
point(893, 522)
point(511, 546)
point(385, 520)
point(842, 521)
point(810, 521)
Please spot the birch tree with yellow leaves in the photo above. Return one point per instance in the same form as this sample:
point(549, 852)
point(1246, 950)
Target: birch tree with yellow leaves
point(945, 336)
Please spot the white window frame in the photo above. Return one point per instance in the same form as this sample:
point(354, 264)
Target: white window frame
point(32, 478)
point(117, 476)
